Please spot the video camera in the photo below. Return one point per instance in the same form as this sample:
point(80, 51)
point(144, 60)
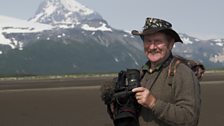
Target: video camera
point(121, 103)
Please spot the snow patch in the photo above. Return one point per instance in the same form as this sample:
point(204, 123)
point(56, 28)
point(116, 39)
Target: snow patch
point(133, 59)
point(5, 41)
point(116, 59)
point(127, 31)
point(217, 58)
point(21, 45)
point(13, 25)
point(187, 40)
point(101, 28)
point(125, 35)
point(67, 8)
point(219, 44)
point(218, 40)
point(197, 40)
point(13, 43)
point(50, 8)
point(62, 35)
point(64, 25)
point(75, 6)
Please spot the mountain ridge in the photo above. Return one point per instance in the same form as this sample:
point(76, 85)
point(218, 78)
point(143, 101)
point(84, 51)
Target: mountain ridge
point(88, 44)
point(64, 13)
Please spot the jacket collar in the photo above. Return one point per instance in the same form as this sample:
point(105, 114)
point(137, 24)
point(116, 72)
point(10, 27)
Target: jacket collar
point(165, 63)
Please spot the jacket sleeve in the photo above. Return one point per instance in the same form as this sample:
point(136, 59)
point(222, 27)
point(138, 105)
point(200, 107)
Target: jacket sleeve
point(186, 107)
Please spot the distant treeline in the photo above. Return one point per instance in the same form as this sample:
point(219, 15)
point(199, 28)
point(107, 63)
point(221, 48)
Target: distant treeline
point(15, 75)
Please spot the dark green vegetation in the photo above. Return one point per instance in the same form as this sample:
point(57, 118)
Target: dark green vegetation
point(80, 51)
point(56, 57)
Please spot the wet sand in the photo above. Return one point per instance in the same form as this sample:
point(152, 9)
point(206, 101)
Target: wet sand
point(76, 102)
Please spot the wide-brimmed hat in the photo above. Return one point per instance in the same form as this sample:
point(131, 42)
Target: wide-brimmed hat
point(153, 25)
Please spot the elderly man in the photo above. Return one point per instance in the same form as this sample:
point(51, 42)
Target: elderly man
point(165, 101)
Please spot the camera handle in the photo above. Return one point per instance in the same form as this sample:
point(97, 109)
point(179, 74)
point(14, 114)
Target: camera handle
point(123, 93)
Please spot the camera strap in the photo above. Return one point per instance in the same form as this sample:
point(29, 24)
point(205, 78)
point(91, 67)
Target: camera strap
point(166, 63)
point(153, 81)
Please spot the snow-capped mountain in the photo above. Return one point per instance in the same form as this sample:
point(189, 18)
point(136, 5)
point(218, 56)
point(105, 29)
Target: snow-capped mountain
point(69, 14)
point(209, 52)
point(64, 36)
point(12, 25)
point(79, 40)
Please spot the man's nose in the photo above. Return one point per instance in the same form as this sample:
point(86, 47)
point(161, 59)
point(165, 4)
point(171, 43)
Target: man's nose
point(152, 45)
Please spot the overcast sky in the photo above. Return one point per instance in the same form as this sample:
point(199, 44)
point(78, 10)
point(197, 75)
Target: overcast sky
point(200, 18)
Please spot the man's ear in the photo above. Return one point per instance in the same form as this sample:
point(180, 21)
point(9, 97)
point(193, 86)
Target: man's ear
point(171, 44)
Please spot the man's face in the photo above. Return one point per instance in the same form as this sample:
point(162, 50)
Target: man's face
point(157, 47)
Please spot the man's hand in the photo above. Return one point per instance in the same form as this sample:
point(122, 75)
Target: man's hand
point(144, 97)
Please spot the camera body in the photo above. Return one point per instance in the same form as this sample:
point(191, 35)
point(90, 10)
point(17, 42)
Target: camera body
point(125, 108)
point(126, 81)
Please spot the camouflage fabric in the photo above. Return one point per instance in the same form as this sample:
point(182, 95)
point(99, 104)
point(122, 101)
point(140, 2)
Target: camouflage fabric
point(153, 25)
point(197, 67)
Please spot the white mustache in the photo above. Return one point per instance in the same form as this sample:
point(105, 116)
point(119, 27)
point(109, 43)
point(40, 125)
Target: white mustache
point(154, 51)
